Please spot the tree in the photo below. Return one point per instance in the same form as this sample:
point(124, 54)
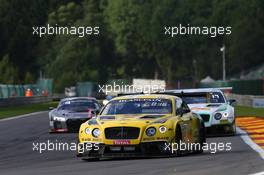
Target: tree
point(8, 72)
point(82, 59)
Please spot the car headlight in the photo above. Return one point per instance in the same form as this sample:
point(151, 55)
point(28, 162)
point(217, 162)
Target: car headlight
point(105, 102)
point(87, 131)
point(218, 116)
point(162, 129)
point(151, 131)
point(61, 119)
point(96, 132)
point(225, 114)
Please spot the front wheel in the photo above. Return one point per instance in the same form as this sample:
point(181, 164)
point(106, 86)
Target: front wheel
point(91, 159)
point(202, 139)
point(233, 128)
point(176, 145)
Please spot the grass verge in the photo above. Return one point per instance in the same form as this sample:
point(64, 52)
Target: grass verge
point(249, 111)
point(6, 112)
point(11, 111)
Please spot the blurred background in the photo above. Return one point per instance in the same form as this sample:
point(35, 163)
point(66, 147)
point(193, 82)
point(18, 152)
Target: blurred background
point(131, 45)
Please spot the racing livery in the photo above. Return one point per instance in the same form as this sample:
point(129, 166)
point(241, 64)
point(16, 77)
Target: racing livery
point(213, 107)
point(140, 125)
point(71, 113)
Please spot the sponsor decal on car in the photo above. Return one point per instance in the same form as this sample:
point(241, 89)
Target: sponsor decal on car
point(121, 142)
point(197, 109)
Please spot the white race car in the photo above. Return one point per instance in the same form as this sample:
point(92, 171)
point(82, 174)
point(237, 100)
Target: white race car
point(213, 107)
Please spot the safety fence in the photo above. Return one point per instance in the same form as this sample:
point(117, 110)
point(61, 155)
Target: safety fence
point(247, 100)
point(245, 87)
point(91, 89)
point(43, 87)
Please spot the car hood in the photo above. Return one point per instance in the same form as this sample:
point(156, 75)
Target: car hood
point(207, 107)
point(129, 120)
point(70, 114)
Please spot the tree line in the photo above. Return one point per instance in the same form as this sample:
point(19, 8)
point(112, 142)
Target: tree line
point(131, 42)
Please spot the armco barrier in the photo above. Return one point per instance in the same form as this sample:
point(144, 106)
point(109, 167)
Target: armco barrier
point(245, 87)
point(43, 87)
point(13, 101)
point(247, 100)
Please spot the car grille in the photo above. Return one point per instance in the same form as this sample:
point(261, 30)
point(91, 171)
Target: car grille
point(57, 125)
point(122, 133)
point(205, 117)
point(73, 125)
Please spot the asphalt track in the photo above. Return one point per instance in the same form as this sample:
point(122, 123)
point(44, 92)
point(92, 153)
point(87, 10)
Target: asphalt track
point(17, 155)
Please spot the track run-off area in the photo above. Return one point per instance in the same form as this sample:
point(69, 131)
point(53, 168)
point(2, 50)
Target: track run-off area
point(17, 156)
point(254, 126)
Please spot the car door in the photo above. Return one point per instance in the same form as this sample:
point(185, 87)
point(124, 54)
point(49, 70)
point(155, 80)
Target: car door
point(186, 120)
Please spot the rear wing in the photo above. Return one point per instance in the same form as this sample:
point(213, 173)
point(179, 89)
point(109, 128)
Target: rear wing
point(181, 92)
point(223, 89)
point(124, 94)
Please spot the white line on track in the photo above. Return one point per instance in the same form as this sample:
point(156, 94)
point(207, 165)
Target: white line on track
point(260, 173)
point(252, 144)
point(22, 116)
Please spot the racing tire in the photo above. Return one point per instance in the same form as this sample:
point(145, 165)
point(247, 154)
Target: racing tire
point(233, 132)
point(91, 159)
point(202, 138)
point(177, 140)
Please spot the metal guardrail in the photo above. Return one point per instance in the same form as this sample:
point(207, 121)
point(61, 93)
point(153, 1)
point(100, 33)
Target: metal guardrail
point(247, 100)
point(243, 100)
point(24, 100)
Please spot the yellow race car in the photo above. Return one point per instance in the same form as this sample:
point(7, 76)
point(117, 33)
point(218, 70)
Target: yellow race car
point(142, 125)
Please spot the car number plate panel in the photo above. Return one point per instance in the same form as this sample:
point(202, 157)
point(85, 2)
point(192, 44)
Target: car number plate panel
point(224, 121)
point(121, 142)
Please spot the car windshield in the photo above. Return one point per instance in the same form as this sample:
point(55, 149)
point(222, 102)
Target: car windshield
point(138, 106)
point(196, 98)
point(78, 105)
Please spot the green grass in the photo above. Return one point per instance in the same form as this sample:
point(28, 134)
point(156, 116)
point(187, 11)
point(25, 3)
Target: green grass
point(6, 112)
point(249, 111)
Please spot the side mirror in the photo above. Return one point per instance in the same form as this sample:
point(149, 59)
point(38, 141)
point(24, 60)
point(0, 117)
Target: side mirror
point(179, 111)
point(231, 101)
point(186, 111)
point(51, 108)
